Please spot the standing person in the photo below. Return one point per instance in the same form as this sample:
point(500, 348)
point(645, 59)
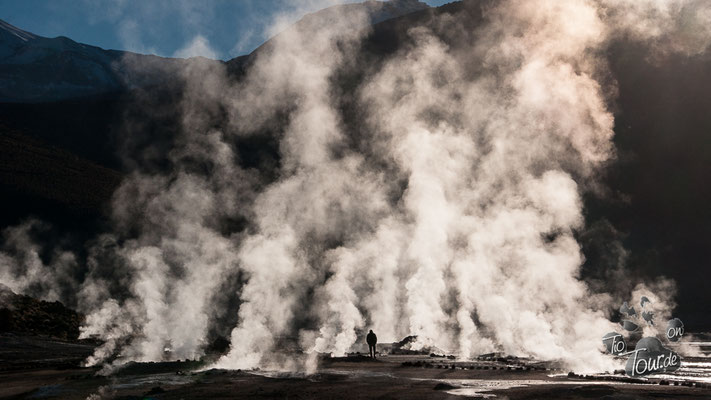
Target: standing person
point(372, 341)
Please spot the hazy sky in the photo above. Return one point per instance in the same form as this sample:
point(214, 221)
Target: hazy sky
point(217, 28)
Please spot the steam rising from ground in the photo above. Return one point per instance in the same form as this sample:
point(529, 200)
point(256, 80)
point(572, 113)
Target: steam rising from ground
point(453, 219)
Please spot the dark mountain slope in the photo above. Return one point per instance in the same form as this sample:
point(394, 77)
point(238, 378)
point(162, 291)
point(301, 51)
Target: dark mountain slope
point(26, 315)
point(39, 69)
point(663, 137)
point(38, 179)
point(86, 127)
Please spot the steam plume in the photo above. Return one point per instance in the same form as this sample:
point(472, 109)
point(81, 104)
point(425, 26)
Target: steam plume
point(449, 213)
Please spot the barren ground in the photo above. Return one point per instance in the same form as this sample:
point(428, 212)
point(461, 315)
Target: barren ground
point(41, 368)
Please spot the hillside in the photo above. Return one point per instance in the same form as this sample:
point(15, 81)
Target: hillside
point(25, 315)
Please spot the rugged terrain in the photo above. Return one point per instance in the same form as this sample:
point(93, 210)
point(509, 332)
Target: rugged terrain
point(354, 377)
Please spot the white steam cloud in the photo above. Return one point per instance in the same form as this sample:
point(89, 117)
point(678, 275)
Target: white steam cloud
point(198, 46)
point(451, 217)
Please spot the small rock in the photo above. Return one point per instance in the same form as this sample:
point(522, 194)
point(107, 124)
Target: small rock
point(444, 386)
point(156, 390)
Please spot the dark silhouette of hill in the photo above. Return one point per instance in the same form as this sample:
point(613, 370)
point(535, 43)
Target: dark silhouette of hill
point(663, 137)
point(39, 69)
point(51, 183)
point(25, 315)
point(86, 127)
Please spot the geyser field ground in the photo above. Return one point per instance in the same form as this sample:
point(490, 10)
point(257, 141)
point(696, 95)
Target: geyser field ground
point(36, 367)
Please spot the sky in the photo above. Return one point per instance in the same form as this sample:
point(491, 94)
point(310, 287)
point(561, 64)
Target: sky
point(220, 29)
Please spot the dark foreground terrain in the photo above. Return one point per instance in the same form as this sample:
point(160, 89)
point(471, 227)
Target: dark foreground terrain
point(44, 368)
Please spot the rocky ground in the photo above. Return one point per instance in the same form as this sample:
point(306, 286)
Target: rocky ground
point(41, 358)
point(27, 316)
point(41, 367)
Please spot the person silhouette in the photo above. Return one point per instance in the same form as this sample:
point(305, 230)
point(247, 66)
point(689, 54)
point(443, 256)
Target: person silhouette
point(372, 341)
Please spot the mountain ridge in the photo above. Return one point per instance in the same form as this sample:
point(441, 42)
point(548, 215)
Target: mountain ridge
point(35, 68)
